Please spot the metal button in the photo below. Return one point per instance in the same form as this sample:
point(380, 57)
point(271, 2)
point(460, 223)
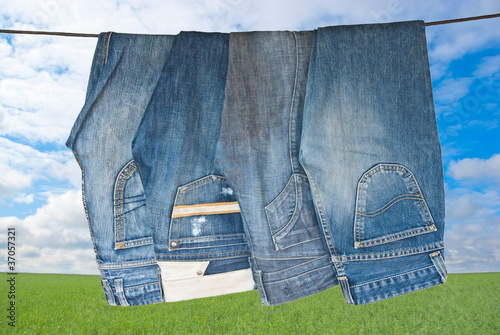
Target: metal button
point(199, 272)
point(173, 244)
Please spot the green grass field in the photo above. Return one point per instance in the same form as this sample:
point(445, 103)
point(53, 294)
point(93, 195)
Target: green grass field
point(75, 304)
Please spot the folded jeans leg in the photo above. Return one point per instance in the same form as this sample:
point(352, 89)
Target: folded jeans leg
point(122, 79)
point(258, 154)
point(371, 150)
point(198, 233)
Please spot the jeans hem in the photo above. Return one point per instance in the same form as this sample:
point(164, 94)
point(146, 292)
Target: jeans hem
point(299, 282)
point(396, 285)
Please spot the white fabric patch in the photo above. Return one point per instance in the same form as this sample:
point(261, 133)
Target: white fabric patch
point(186, 280)
point(205, 209)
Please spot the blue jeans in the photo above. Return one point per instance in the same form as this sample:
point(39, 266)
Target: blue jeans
point(371, 151)
point(127, 241)
point(197, 227)
point(113, 196)
point(311, 157)
point(258, 153)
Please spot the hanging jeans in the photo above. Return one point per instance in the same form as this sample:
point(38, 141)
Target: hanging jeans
point(198, 231)
point(125, 72)
point(258, 153)
point(371, 151)
point(292, 161)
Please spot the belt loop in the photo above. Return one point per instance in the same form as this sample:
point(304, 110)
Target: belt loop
point(344, 284)
point(110, 298)
point(260, 287)
point(438, 261)
point(120, 293)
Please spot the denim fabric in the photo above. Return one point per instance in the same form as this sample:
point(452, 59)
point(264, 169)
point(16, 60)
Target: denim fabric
point(258, 154)
point(124, 73)
point(192, 209)
point(310, 157)
point(371, 151)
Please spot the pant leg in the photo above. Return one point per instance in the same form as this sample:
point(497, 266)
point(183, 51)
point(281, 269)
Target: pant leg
point(124, 73)
point(258, 154)
point(371, 151)
point(197, 227)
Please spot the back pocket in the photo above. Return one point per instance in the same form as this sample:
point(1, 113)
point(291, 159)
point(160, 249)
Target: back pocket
point(389, 206)
point(206, 214)
point(131, 221)
point(291, 215)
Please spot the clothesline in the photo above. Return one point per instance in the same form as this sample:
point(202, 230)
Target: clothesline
point(58, 33)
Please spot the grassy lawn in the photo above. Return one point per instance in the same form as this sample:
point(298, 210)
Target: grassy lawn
point(75, 304)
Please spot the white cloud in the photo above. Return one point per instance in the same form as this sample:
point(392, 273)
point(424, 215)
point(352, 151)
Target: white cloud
point(23, 165)
point(24, 198)
point(472, 233)
point(56, 238)
point(489, 66)
point(473, 247)
point(451, 90)
point(476, 169)
point(12, 181)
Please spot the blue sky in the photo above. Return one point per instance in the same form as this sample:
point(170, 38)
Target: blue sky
point(43, 81)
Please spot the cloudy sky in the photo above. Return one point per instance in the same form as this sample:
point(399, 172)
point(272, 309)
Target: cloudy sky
point(43, 81)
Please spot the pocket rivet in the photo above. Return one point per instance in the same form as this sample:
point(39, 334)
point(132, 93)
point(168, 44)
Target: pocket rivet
point(173, 244)
point(199, 272)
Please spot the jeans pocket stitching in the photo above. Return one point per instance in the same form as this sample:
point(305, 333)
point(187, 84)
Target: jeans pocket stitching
point(361, 213)
point(282, 195)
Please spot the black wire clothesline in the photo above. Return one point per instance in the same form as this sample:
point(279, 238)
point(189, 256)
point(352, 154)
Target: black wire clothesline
point(58, 33)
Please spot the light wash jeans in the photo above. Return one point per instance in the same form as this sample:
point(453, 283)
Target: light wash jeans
point(371, 151)
point(128, 242)
point(197, 227)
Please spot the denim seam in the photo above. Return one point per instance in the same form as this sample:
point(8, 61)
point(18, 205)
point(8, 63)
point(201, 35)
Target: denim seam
point(110, 298)
point(200, 182)
point(198, 259)
point(389, 205)
point(118, 202)
point(120, 293)
point(84, 200)
point(294, 215)
point(295, 267)
point(133, 199)
point(127, 265)
point(298, 276)
point(301, 242)
point(134, 243)
point(105, 48)
point(131, 210)
point(324, 223)
point(398, 275)
point(397, 236)
point(140, 286)
point(260, 286)
point(209, 237)
point(210, 246)
point(160, 282)
point(291, 131)
point(289, 258)
point(438, 262)
point(397, 253)
point(212, 253)
point(346, 292)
